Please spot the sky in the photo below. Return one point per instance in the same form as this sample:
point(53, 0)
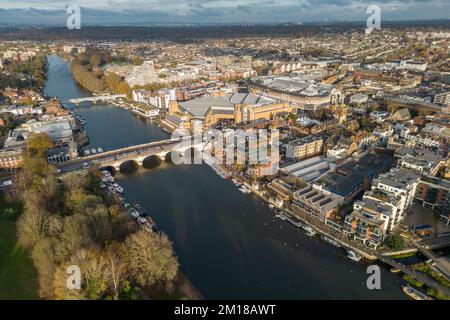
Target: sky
point(103, 12)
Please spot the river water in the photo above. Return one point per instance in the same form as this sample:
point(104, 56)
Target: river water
point(229, 244)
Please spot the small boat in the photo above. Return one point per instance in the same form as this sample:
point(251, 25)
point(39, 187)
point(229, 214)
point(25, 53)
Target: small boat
point(352, 255)
point(99, 150)
point(119, 189)
point(140, 209)
point(395, 270)
point(310, 233)
point(295, 222)
point(112, 189)
point(271, 206)
point(244, 189)
point(142, 221)
point(133, 212)
point(331, 241)
point(415, 294)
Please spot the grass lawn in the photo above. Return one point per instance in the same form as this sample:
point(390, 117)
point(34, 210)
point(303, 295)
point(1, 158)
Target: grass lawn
point(18, 278)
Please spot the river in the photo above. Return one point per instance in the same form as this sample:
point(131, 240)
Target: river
point(229, 244)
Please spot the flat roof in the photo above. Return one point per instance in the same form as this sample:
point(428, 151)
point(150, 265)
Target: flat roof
point(349, 176)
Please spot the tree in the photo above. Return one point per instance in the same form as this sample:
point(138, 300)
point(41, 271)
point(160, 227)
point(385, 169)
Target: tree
point(37, 176)
point(32, 225)
point(112, 81)
point(99, 224)
point(124, 88)
point(95, 59)
point(292, 117)
point(93, 272)
point(43, 260)
point(150, 258)
point(117, 268)
point(395, 242)
point(74, 237)
point(38, 143)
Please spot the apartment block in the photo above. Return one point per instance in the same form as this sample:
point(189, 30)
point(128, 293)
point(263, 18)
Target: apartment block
point(304, 148)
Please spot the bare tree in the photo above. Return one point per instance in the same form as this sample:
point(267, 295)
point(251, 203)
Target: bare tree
point(117, 267)
point(151, 259)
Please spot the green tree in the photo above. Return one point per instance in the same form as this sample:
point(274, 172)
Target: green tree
point(395, 242)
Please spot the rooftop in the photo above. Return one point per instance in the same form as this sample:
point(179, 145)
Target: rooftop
point(350, 175)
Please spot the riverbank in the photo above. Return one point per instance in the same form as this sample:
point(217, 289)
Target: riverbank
point(183, 288)
point(441, 288)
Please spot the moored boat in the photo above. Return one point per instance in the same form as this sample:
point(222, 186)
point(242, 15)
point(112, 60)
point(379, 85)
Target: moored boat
point(331, 241)
point(415, 294)
point(352, 255)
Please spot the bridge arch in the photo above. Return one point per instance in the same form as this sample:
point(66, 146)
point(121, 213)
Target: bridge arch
point(151, 162)
point(111, 169)
point(129, 166)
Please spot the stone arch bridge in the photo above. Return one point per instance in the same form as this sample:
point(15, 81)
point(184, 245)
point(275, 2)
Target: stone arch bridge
point(138, 154)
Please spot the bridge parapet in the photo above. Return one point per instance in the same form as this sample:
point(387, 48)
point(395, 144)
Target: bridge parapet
point(136, 153)
point(96, 98)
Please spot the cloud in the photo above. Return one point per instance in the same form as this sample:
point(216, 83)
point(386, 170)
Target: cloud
point(218, 11)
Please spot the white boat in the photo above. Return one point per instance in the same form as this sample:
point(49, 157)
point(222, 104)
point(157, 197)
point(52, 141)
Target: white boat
point(415, 294)
point(111, 179)
point(331, 241)
point(352, 255)
point(100, 150)
point(244, 189)
point(119, 189)
point(294, 221)
point(112, 189)
point(307, 228)
point(271, 206)
point(142, 220)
